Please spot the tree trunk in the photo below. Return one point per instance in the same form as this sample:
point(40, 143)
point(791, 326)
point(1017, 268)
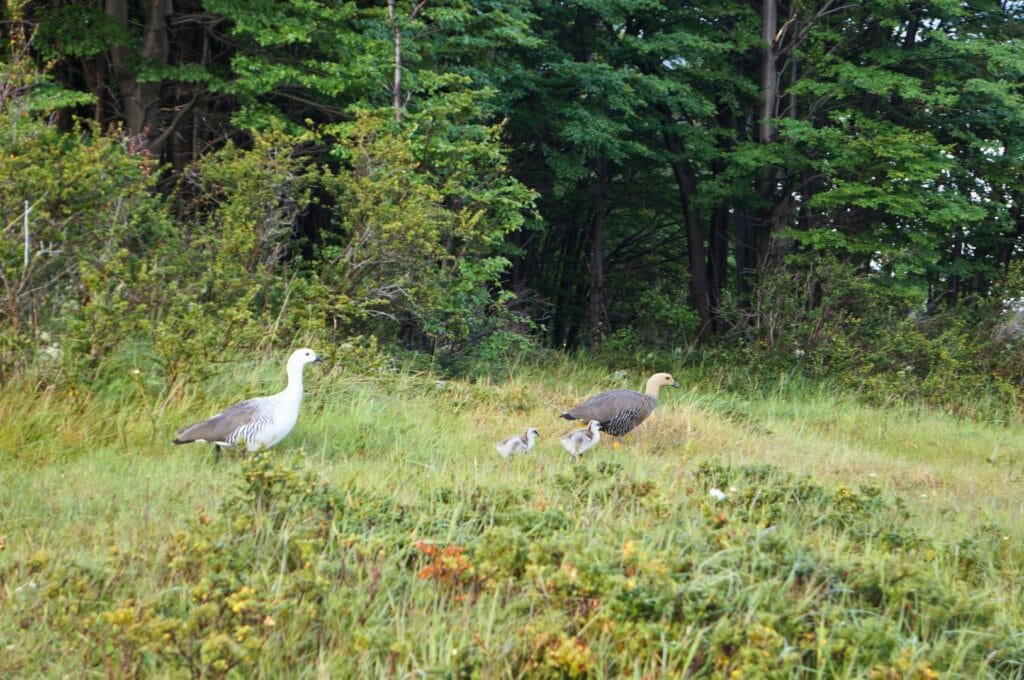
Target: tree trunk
point(191, 45)
point(718, 258)
point(598, 316)
point(396, 84)
point(694, 237)
point(913, 25)
point(745, 252)
point(769, 72)
point(139, 101)
point(1009, 241)
point(953, 284)
point(718, 239)
point(761, 227)
point(566, 282)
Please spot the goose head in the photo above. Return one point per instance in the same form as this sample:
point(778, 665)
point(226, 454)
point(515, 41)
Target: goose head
point(659, 380)
point(301, 357)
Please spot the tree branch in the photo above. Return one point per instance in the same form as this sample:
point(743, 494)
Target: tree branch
point(157, 144)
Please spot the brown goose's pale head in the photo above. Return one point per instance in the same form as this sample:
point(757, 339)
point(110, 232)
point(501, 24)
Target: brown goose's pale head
point(659, 380)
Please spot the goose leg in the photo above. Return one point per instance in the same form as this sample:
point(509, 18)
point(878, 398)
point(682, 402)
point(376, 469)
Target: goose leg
point(217, 453)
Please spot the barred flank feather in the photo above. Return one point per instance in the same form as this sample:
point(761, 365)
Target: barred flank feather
point(621, 411)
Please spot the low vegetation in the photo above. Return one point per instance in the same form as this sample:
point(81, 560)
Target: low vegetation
point(385, 537)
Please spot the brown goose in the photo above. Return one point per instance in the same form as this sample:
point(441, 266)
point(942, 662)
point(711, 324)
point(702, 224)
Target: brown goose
point(621, 411)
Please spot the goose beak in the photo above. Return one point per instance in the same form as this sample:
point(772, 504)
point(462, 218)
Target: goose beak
point(675, 384)
point(319, 360)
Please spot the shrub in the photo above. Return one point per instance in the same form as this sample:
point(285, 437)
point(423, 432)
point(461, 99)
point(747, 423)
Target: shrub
point(827, 319)
point(91, 210)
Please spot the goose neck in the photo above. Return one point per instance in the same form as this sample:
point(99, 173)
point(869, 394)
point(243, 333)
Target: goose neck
point(655, 383)
point(294, 380)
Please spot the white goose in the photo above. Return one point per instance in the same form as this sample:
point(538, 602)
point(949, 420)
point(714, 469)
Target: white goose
point(260, 422)
point(517, 443)
point(578, 441)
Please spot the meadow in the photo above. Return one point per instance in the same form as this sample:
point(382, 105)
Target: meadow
point(386, 538)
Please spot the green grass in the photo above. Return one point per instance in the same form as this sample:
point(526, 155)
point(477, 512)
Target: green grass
point(386, 537)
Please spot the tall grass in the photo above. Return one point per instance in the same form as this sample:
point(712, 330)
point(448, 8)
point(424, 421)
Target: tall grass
point(386, 537)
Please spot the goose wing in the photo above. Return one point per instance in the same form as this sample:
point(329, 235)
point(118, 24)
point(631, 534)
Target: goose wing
point(605, 406)
point(612, 407)
point(220, 427)
point(511, 444)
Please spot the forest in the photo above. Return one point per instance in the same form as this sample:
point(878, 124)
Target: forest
point(830, 187)
point(468, 220)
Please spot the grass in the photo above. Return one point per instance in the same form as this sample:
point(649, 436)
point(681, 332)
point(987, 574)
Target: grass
point(386, 537)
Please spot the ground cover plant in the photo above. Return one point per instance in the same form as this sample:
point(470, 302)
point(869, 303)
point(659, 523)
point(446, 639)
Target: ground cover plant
point(778, 532)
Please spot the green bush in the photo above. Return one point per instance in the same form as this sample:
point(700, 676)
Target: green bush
point(91, 209)
point(421, 250)
point(216, 267)
point(826, 319)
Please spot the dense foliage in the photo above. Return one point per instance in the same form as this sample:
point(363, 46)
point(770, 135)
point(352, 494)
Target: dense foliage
point(830, 185)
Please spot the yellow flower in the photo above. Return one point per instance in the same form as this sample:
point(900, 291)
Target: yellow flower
point(628, 549)
point(120, 617)
point(240, 600)
point(656, 567)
